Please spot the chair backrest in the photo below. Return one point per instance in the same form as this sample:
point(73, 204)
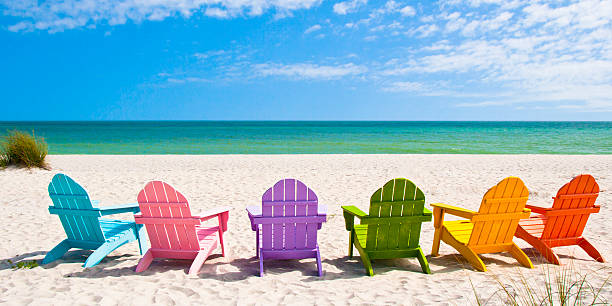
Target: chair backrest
point(571, 201)
point(290, 211)
point(500, 211)
point(166, 215)
point(75, 210)
point(395, 216)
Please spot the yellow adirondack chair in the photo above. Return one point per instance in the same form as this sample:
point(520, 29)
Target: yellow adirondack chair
point(490, 230)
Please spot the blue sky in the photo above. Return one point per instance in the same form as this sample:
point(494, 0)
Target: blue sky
point(306, 60)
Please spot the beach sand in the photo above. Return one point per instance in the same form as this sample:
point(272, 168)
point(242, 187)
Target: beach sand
point(29, 231)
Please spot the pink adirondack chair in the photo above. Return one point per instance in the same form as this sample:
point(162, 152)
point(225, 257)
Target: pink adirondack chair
point(286, 223)
point(173, 231)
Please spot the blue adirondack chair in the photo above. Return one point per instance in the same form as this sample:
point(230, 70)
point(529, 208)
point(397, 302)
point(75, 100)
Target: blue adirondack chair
point(81, 220)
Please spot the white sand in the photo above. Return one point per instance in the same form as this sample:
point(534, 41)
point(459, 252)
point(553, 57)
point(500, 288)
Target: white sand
point(237, 180)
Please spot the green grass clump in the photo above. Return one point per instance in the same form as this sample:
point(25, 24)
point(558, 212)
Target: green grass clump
point(22, 149)
point(3, 161)
point(31, 264)
point(562, 286)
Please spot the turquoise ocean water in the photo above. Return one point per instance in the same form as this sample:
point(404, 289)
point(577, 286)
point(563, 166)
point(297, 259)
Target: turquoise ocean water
point(299, 137)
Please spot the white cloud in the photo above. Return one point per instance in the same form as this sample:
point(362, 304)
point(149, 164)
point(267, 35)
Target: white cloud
point(423, 30)
point(408, 11)
point(512, 54)
point(345, 7)
point(183, 80)
point(405, 87)
point(314, 28)
point(309, 71)
point(175, 81)
point(216, 12)
point(481, 104)
point(60, 15)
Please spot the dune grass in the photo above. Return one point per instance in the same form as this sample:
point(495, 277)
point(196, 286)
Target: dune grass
point(562, 286)
point(27, 264)
point(23, 149)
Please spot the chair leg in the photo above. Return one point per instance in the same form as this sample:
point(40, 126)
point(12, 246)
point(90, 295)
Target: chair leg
point(545, 251)
point(435, 248)
point(367, 264)
point(319, 262)
point(351, 244)
point(538, 244)
point(222, 242)
point(261, 273)
point(143, 242)
point(520, 256)
point(590, 249)
point(472, 257)
point(365, 259)
point(423, 262)
point(438, 215)
point(144, 262)
point(463, 249)
point(257, 242)
point(103, 251)
point(57, 252)
point(198, 262)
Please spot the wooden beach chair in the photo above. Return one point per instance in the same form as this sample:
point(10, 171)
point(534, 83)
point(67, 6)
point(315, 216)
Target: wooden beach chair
point(490, 230)
point(82, 222)
point(173, 231)
point(393, 226)
point(564, 222)
point(287, 222)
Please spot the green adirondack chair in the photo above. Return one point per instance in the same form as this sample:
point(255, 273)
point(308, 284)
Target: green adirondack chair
point(393, 226)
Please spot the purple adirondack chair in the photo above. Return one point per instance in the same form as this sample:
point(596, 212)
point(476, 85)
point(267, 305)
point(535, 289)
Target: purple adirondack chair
point(286, 224)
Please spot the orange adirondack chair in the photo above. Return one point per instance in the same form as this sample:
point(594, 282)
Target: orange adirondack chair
point(562, 225)
point(490, 230)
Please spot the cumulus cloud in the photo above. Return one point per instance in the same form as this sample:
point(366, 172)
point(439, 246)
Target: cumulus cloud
point(408, 11)
point(60, 15)
point(345, 7)
point(521, 53)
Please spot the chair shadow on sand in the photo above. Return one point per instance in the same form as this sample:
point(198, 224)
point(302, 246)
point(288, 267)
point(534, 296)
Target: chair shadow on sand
point(453, 262)
point(9, 263)
point(348, 268)
point(75, 256)
point(244, 268)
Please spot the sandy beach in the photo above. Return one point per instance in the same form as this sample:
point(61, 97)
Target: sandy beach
point(239, 180)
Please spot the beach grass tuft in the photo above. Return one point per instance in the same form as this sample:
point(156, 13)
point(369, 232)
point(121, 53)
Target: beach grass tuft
point(23, 149)
point(3, 160)
point(28, 264)
point(562, 286)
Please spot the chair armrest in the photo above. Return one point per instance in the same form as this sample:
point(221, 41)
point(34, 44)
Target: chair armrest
point(253, 211)
point(209, 214)
point(221, 213)
point(119, 209)
point(526, 213)
point(572, 211)
point(537, 209)
point(454, 210)
point(353, 210)
point(426, 211)
point(350, 212)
